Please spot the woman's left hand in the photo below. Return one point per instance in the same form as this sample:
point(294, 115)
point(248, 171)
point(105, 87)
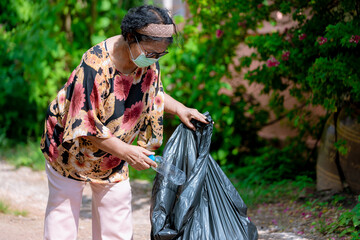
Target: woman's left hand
point(186, 114)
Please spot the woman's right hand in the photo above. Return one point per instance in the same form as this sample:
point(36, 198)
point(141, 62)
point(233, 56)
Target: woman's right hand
point(138, 158)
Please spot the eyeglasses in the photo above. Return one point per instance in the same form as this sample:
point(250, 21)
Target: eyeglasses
point(154, 54)
point(151, 54)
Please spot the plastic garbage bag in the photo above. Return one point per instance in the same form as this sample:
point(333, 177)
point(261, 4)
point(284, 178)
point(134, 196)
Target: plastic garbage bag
point(206, 206)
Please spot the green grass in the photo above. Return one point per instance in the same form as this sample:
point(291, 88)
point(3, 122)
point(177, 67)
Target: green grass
point(23, 154)
point(5, 209)
point(290, 190)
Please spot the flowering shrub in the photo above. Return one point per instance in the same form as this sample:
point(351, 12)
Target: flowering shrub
point(316, 61)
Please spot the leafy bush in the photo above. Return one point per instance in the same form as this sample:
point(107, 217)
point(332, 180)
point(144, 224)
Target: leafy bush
point(43, 41)
point(273, 165)
point(348, 223)
point(315, 60)
point(22, 154)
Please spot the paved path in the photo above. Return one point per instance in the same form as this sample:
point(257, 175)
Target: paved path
point(27, 190)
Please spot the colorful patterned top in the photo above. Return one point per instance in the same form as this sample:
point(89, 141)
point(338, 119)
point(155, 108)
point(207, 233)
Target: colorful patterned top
point(100, 101)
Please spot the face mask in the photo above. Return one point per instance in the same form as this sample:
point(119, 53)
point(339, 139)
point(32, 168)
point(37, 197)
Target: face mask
point(142, 61)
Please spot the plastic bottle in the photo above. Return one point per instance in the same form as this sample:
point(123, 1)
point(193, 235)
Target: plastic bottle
point(168, 170)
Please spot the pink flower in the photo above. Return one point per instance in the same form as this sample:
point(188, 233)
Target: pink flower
point(249, 218)
point(354, 39)
point(285, 56)
point(71, 78)
point(94, 96)
point(53, 151)
point(300, 232)
point(242, 24)
point(260, 5)
point(78, 99)
point(61, 99)
point(321, 40)
point(138, 73)
point(286, 209)
point(288, 37)
point(274, 222)
point(148, 80)
point(122, 85)
point(212, 73)
point(80, 163)
point(320, 214)
point(109, 162)
point(90, 123)
point(132, 115)
point(61, 137)
point(50, 125)
point(158, 100)
point(219, 33)
point(272, 62)
point(302, 36)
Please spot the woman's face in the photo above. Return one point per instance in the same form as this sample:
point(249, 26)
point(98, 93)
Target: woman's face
point(151, 49)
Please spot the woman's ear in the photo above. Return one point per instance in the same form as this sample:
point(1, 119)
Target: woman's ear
point(129, 38)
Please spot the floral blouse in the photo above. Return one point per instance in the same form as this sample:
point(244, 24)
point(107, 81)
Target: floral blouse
point(100, 101)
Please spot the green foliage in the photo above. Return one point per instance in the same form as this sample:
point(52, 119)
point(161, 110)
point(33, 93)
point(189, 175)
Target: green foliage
point(283, 190)
point(348, 223)
point(23, 154)
point(273, 164)
point(192, 74)
point(315, 60)
point(331, 216)
point(148, 174)
point(5, 208)
point(43, 42)
point(340, 145)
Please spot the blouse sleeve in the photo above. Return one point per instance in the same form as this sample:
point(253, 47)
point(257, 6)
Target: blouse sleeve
point(84, 105)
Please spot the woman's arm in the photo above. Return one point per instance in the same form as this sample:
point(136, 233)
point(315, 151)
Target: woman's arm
point(136, 156)
point(184, 113)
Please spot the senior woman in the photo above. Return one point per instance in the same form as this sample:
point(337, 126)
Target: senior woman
point(114, 96)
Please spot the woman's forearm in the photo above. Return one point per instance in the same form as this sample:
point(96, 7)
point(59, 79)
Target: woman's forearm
point(184, 113)
point(171, 105)
point(136, 156)
point(112, 145)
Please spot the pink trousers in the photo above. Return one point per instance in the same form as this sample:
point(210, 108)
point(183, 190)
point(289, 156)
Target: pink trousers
point(111, 209)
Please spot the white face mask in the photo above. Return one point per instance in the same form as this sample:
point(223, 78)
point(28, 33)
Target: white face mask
point(142, 61)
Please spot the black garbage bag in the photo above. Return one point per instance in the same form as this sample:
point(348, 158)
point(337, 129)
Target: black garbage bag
point(207, 206)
